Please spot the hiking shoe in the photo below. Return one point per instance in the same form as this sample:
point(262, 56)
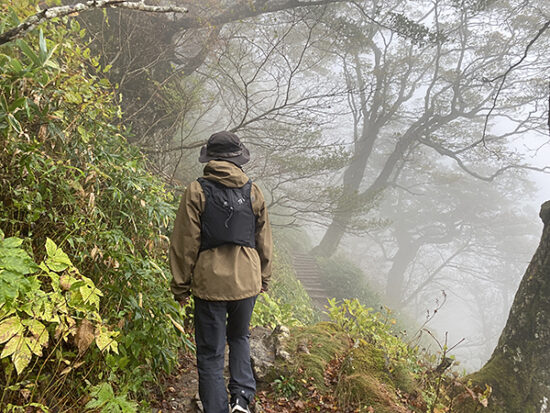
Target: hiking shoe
point(239, 404)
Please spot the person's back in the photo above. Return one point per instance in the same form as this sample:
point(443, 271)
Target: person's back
point(221, 251)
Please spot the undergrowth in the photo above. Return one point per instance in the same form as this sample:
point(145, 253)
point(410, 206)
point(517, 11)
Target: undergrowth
point(86, 317)
point(69, 178)
point(357, 363)
point(71, 185)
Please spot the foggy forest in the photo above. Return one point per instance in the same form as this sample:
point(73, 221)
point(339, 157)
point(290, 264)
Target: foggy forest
point(403, 151)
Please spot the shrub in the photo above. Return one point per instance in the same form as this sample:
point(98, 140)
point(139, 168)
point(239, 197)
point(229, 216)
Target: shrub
point(68, 174)
point(41, 307)
point(345, 280)
point(286, 303)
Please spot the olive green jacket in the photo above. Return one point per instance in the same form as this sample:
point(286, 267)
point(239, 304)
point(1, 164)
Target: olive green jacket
point(228, 272)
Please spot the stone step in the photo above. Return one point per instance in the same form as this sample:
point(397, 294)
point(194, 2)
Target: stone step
point(306, 267)
point(301, 254)
point(308, 274)
point(313, 287)
point(315, 290)
point(310, 281)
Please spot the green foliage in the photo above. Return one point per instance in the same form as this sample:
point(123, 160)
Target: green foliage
point(286, 303)
point(35, 407)
point(285, 386)
point(56, 295)
point(269, 313)
point(354, 360)
point(104, 399)
point(68, 178)
point(345, 280)
point(365, 325)
point(41, 307)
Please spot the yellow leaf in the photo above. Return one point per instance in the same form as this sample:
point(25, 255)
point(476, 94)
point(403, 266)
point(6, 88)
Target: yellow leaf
point(21, 358)
point(105, 339)
point(9, 328)
point(12, 346)
point(176, 324)
point(34, 346)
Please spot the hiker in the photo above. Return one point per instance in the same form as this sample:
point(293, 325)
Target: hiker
point(221, 252)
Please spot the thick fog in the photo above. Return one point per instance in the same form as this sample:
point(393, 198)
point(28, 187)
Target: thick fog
point(409, 136)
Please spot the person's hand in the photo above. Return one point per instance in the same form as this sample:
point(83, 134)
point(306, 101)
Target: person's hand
point(184, 301)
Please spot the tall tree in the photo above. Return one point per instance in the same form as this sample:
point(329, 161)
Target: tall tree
point(437, 98)
point(519, 369)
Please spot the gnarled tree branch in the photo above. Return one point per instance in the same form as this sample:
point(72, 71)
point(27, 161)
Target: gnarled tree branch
point(61, 11)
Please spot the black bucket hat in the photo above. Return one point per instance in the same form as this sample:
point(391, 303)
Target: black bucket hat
point(225, 146)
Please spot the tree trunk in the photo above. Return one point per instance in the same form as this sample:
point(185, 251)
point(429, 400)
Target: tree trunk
point(350, 202)
point(519, 369)
point(396, 276)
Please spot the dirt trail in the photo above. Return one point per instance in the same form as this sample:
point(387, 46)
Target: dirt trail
point(180, 388)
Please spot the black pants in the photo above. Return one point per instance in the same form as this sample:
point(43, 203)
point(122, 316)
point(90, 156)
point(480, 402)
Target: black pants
point(216, 321)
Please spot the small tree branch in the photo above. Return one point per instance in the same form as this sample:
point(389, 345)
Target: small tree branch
point(61, 11)
point(487, 178)
point(503, 77)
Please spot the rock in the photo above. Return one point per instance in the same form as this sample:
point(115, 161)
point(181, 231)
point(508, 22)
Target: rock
point(262, 352)
point(303, 346)
point(279, 336)
point(257, 408)
point(283, 355)
point(545, 212)
point(198, 404)
point(265, 347)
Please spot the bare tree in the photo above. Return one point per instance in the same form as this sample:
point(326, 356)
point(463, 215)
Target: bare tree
point(436, 97)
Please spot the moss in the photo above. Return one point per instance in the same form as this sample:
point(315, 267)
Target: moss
point(362, 389)
point(365, 380)
point(324, 342)
point(362, 371)
point(404, 379)
point(507, 387)
point(366, 357)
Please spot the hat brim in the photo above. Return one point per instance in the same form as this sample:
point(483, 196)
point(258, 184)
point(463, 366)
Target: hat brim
point(240, 159)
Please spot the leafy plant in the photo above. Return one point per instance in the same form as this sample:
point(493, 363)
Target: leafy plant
point(286, 302)
point(364, 324)
point(67, 174)
point(41, 307)
point(104, 399)
point(285, 386)
point(35, 297)
point(268, 313)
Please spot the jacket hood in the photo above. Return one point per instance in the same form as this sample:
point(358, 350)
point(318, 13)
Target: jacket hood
point(226, 173)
